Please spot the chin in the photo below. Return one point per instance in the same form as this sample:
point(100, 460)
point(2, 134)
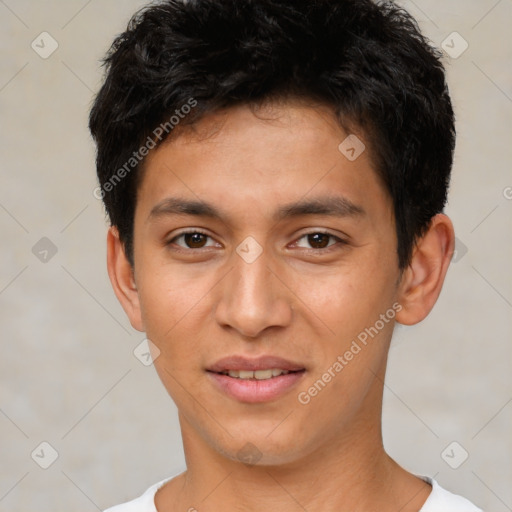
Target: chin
point(261, 449)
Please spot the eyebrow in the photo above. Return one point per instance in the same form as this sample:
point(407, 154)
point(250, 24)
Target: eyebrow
point(332, 206)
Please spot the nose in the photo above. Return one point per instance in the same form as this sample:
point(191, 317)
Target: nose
point(253, 298)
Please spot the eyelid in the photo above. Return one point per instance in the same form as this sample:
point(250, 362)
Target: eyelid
point(323, 231)
point(187, 232)
point(339, 240)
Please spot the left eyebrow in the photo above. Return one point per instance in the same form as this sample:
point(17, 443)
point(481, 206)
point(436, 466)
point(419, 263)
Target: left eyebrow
point(333, 206)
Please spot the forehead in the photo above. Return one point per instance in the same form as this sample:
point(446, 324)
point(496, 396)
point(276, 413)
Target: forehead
point(283, 123)
point(249, 156)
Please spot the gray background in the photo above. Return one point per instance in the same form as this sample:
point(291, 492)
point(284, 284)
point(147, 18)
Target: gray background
point(68, 373)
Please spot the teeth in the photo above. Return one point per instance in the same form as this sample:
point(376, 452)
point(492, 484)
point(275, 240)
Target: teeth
point(258, 374)
point(263, 374)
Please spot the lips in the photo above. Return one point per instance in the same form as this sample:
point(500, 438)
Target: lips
point(240, 363)
point(258, 380)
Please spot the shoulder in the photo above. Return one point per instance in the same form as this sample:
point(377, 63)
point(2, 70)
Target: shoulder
point(441, 500)
point(144, 503)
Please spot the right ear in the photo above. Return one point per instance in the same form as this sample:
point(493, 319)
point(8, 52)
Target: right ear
point(122, 278)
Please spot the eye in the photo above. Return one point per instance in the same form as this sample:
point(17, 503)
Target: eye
point(318, 240)
point(192, 240)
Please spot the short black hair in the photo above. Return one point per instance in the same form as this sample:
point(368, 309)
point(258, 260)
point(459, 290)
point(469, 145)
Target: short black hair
point(367, 60)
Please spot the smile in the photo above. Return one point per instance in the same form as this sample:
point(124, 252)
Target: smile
point(257, 375)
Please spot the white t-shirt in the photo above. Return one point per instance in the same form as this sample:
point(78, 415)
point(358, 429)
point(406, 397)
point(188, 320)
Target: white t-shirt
point(439, 500)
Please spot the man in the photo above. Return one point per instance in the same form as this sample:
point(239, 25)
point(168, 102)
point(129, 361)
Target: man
point(275, 174)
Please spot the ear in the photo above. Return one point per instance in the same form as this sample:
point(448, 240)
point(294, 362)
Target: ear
point(122, 278)
point(423, 279)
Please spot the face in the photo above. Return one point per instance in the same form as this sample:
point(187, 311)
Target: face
point(266, 275)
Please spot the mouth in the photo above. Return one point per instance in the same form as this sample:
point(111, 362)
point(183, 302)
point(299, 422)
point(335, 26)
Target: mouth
point(255, 380)
point(256, 375)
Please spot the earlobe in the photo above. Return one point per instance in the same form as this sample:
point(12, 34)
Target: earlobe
point(423, 279)
point(122, 278)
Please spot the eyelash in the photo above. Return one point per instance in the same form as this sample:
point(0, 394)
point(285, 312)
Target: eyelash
point(329, 248)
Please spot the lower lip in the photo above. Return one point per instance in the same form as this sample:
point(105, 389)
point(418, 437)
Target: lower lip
point(256, 391)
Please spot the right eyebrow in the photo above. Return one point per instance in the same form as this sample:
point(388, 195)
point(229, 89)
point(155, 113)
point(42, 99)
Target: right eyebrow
point(333, 206)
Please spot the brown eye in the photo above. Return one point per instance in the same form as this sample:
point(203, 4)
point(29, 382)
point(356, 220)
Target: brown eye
point(192, 240)
point(318, 240)
point(195, 240)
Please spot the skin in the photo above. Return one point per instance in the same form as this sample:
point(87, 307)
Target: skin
point(299, 300)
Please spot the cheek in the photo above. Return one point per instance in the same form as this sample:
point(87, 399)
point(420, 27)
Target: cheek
point(176, 301)
point(348, 299)
point(171, 301)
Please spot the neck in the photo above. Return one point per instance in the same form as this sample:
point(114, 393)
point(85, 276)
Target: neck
point(350, 471)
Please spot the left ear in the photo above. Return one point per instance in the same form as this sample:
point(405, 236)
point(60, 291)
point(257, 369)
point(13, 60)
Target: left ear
point(423, 279)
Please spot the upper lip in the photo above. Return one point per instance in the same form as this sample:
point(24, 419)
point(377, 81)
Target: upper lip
point(254, 364)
